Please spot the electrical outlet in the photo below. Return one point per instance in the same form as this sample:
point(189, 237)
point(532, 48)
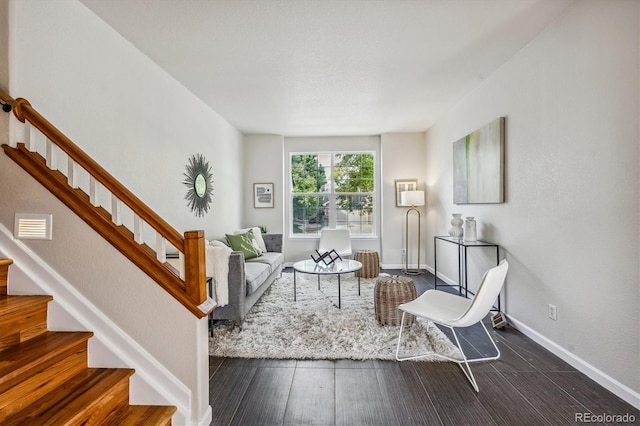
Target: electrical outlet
point(552, 312)
point(404, 251)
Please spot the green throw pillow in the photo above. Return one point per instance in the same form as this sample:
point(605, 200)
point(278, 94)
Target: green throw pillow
point(245, 244)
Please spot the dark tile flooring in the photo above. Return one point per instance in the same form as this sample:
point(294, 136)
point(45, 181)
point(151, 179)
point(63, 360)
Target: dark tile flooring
point(527, 386)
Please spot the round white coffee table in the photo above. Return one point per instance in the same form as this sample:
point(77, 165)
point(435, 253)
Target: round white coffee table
point(338, 268)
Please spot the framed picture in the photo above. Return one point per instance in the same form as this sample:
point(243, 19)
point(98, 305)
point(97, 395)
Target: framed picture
point(478, 165)
point(404, 185)
point(262, 195)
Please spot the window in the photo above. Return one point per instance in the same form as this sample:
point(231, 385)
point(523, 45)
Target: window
point(332, 190)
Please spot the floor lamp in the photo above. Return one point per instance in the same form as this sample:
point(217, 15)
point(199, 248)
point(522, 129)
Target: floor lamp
point(412, 199)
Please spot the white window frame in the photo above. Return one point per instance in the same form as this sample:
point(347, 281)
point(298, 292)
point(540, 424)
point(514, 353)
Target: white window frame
point(331, 194)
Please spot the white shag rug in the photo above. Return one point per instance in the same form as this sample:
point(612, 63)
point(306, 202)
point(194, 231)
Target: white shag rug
point(314, 328)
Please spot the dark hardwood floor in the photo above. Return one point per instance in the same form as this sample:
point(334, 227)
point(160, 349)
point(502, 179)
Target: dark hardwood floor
point(527, 386)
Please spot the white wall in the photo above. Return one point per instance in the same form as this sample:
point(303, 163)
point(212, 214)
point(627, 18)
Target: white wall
point(141, 125)
point(402, 158)
point(263, 163)
point(569, 226)
point(126, 112)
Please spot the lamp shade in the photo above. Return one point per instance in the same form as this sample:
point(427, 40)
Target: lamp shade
point(412, 198)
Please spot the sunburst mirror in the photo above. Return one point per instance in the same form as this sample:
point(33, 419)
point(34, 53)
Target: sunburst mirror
point(199, 181)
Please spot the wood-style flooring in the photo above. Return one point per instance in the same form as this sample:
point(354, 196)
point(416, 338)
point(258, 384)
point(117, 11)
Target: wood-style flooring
point(527, 386)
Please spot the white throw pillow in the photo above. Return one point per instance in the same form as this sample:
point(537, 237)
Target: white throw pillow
point(257, 234)
point(217, 243)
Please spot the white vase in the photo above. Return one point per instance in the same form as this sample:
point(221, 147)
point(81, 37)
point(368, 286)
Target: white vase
point(456, 225)
point(470, 231)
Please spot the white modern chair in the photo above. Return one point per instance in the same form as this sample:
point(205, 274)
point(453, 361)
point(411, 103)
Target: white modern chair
point(452, 311)
point(336, 239)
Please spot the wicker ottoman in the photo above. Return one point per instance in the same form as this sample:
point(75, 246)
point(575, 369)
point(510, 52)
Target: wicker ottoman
point(391, 292)
point(370, 263)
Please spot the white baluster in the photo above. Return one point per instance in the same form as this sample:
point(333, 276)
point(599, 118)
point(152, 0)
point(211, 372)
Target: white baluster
point(37, 140)
point(16, 131)
point(116, 210)
point(29, 133)
point(51, 154)
point(161, 248)
point(138, 226)
point(93, 191)
point(72, 173)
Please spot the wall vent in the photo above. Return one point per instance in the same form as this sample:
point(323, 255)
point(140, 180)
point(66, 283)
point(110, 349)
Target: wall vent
point(32, 226)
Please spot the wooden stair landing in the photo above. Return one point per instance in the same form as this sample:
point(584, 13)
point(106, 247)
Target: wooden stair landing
point(44, 377)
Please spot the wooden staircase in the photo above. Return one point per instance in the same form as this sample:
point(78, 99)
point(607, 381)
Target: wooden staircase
point(44, 377)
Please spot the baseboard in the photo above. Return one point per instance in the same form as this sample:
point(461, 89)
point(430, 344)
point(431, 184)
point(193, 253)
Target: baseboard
point(600, 377)
point(153, 383)
point(206, 419)
point(401, 266)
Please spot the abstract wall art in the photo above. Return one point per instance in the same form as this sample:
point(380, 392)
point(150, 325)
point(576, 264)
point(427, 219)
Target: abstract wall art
point(262, 195)
point(478, 165)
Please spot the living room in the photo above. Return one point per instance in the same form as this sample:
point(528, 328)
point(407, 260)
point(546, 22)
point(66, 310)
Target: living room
point(570, 97)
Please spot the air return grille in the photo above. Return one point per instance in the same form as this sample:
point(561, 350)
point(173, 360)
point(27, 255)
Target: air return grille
point(32, 226)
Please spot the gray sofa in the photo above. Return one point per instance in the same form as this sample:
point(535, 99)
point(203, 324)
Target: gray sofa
point(248, 280)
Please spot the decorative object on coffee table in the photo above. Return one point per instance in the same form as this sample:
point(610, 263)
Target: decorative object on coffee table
point(370, 263)
point(391, 292)
point(328, 257)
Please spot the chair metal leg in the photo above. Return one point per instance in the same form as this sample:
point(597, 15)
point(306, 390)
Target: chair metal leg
point(467, 372)
point(464, 363)
point(421, 355)
point(491, 358)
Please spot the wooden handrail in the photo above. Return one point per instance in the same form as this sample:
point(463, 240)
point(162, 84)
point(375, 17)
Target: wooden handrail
point(23, 111)
point(192, 292)
point(5, 98)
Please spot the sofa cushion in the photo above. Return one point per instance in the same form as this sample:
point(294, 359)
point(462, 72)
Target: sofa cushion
point(274, 260)
point(257, 235)
point(245, 243)
point(255, 274)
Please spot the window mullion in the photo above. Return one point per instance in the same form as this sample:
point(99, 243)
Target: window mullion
point(332, 195)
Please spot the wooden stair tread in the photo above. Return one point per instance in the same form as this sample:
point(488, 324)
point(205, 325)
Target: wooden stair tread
point(18, 359)
point(86, 398)
point(139, 415)
point(44, 379)
point(15, 304)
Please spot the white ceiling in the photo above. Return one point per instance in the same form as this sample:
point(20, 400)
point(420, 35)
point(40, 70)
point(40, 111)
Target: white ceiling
point(329, 67)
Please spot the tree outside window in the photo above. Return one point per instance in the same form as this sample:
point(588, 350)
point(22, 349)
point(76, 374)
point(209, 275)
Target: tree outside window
point(332, 190)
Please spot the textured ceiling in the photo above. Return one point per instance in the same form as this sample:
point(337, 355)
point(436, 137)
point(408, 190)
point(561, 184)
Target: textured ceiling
point(329, 67)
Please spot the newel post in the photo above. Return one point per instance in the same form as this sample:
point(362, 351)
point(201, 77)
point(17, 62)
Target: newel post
point(194, 266)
